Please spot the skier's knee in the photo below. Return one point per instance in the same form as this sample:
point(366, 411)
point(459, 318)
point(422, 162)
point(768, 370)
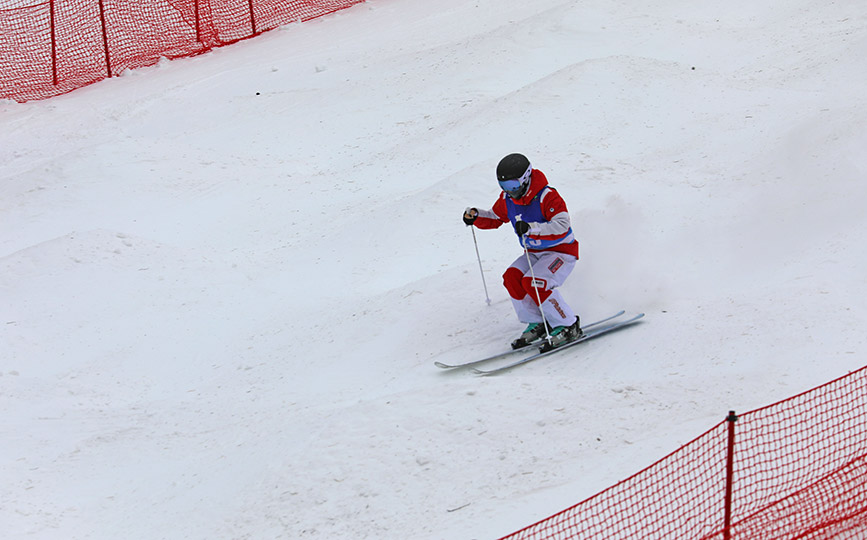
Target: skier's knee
point(512, 280)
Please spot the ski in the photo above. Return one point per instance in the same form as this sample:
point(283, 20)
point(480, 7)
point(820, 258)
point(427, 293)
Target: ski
point(587, 336)
point(530, 346)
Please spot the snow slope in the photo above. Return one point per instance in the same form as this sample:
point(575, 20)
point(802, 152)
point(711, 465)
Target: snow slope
point(224, 280)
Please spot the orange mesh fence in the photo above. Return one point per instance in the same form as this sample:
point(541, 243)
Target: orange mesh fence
point(51, 47)
point(795, 469)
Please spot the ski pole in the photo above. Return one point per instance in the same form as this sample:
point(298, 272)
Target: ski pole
point(535, 288)
point(479, 257)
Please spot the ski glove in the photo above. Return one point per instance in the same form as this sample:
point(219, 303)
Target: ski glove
point(470, 215)
point(522, 228)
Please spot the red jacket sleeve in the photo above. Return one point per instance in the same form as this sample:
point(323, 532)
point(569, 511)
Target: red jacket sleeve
point(495, 217)
point(553, 204)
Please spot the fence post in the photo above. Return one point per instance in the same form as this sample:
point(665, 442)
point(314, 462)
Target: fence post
point(198, 21)
point(252, 17)
point(105, 37)
point(730, 473)
point(53, 42)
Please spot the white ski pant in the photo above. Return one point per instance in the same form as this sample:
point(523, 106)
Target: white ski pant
point(550, 270)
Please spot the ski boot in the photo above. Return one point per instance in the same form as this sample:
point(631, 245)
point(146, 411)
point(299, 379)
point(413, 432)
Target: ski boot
point(563, 334)
point(534, 332)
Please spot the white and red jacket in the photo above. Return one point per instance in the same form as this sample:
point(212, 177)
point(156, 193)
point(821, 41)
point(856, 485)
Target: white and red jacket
point(543, 209)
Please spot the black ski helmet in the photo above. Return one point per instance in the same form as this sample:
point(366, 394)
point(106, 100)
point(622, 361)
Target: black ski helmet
point(514, 167)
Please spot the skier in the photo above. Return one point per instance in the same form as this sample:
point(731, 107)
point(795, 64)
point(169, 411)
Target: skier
point(539, 217)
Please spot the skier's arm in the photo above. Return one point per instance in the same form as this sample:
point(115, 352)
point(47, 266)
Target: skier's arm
point(557, 215)
point(493, 218)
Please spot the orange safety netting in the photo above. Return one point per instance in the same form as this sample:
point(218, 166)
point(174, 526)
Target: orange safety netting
point(49, 48)
point(795, 469)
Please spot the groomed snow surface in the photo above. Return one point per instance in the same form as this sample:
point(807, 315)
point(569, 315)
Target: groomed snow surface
point(224, 280)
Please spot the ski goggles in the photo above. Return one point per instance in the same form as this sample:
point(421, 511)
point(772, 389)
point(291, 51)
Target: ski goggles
point(511, 186)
